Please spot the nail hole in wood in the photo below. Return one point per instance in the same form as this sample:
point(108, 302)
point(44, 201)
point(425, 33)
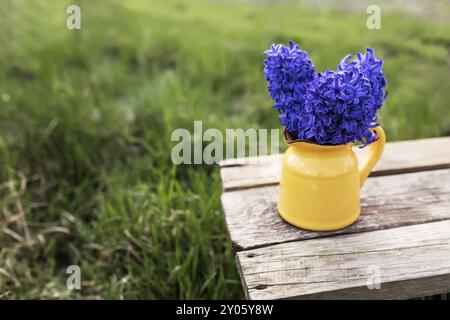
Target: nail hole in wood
point(261, 287)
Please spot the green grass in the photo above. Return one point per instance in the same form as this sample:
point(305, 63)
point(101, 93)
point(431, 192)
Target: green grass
point(86, 117)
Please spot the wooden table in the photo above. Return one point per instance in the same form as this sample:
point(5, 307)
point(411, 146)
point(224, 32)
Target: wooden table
point(402, 237)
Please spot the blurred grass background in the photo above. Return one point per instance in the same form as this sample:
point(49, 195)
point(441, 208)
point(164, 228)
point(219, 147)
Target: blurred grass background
point(86, 117)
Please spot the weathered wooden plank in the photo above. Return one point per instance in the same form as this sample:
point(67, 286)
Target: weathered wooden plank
point(402, 156)
point(386, 202)
point(409, 262)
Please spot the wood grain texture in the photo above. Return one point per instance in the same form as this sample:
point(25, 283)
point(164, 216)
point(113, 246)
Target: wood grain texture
point(412, 261)
point(398, 157)
point(386, 202)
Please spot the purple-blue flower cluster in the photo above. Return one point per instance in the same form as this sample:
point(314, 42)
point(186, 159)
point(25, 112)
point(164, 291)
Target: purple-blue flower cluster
point(334, 107)
point(288, 72)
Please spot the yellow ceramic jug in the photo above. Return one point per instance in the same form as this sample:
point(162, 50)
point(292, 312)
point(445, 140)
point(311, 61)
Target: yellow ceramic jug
point(319, 187)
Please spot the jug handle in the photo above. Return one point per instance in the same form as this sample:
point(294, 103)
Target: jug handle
point(376, 149)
